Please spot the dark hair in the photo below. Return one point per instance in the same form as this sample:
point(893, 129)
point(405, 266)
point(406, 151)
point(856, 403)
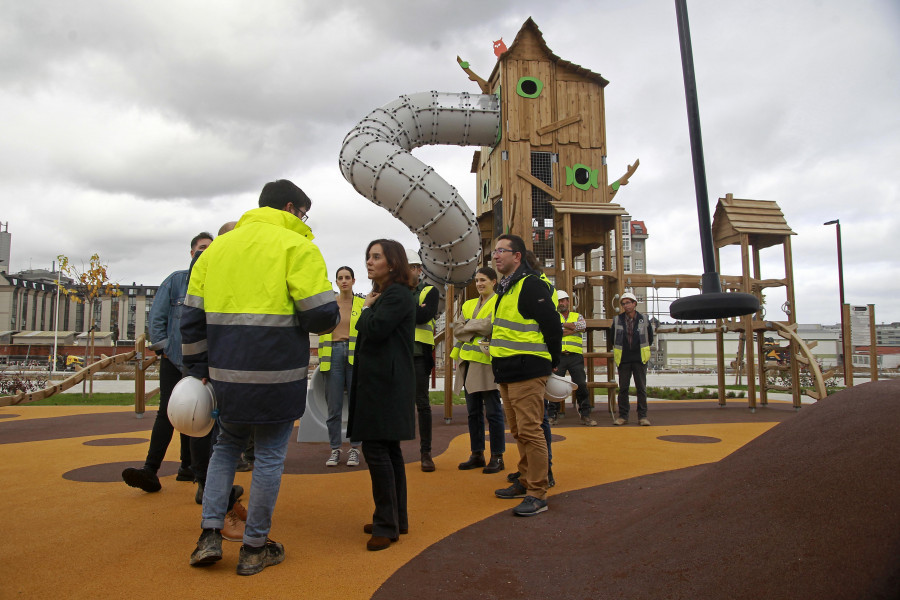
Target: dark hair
point(488, 272)
point(338, 272)
point(517, 243)
point(203, 235)
point(532, 260)
point(277, 194)
point(395, 254)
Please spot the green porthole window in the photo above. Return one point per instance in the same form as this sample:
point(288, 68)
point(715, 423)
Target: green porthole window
point(529, 87)
point(485, 191)
point(582, 177)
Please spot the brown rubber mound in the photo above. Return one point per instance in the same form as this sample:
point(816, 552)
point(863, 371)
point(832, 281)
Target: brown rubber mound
point(810, 509)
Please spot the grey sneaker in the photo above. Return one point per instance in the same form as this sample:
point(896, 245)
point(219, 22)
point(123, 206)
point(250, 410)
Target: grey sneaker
point(254, 560)
point(530, 506)
point(553, 421)
point(619, 421)
point(587, 421)
point(353, 457)
point(645, 421)
point(209, 548)
point(516, 490)
point(334, 459)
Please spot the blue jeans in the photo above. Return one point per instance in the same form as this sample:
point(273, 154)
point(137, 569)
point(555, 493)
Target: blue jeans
point(337, 379)
point(271, 442)
point(486, 404)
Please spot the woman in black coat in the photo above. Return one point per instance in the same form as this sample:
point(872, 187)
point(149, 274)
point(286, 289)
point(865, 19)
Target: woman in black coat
point(382, 392)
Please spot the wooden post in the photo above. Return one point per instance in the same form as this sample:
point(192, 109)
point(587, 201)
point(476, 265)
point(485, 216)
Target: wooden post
point(139, 397)
point(448, 362)
point(748, 325)
point(847, 345)
point(761, 337)
point(720, 346)
point(792, 319)
point(873, 348)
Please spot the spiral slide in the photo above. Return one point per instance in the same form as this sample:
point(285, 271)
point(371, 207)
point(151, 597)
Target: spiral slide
point(376, 160)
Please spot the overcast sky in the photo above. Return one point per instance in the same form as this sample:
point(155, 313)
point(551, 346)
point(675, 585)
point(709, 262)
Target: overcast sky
point(128, 127)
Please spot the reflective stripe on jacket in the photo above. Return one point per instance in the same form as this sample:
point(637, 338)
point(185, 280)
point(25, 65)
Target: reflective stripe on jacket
point(471, 350)
point(573, 343)
point(512, 333)
point(425, 331)
point(325, 340)
point(253, 297)
point(619, 337)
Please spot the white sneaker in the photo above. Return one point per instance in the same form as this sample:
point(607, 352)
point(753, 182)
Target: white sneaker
point(353, 457)
point(334, 459)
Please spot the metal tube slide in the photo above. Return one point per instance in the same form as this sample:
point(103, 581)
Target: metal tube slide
point(376, 160)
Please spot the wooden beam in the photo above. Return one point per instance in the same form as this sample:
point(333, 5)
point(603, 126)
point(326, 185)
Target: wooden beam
point(558, 124)
point(538, 184)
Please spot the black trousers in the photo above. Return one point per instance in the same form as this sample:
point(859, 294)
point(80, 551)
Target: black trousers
point(627, 371)
point(423, 403)
point(573, 364)
point(388, 473)
point(161, 434)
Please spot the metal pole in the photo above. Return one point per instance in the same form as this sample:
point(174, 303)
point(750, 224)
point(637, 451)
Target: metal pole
point(710, 278)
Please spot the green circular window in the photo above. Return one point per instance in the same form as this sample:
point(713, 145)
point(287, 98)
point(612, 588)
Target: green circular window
point(529, 87)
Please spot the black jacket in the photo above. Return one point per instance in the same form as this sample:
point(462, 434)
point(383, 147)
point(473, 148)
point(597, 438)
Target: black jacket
point(382, 391)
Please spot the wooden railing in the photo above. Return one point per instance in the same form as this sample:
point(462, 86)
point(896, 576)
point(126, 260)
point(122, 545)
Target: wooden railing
point(140, 395)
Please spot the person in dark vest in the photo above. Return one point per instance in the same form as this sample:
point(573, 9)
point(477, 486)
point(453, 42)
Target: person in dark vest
point(632, 334)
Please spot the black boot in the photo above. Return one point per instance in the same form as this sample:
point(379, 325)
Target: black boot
point(475, 461)
point(495, 466)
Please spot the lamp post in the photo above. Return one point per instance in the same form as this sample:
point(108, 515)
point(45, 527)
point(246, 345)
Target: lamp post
point(848, 364)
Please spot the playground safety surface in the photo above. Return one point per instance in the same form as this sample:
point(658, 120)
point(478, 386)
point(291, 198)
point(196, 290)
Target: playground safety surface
point(708, 502)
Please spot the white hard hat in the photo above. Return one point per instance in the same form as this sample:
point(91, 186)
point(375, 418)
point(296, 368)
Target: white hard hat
point(412, 257)
point(558, 388)
point(561, 295)
point(629, 296)
point(191, 407)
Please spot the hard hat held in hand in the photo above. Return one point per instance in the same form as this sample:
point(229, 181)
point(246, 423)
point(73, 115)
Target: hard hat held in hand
point(558, 388)
point(191, 407)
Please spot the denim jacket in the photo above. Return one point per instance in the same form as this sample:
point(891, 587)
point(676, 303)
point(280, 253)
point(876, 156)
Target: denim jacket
point(165, 316)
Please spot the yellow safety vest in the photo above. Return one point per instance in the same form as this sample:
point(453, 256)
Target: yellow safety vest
point(572, 343)
point(471, 351)
point(425, 331)
point(553, 293)
point(512, 333)
point(325, 340)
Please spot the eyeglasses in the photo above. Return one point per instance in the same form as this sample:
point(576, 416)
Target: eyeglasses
point(500, 251)
point(300, 214)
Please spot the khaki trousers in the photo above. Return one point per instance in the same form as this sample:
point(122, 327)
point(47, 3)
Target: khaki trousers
point(523, 403)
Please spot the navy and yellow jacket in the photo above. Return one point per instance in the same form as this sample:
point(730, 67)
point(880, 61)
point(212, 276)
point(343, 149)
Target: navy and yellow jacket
point(253, 297)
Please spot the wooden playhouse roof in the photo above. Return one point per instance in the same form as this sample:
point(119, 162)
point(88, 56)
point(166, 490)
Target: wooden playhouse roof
point(530, 34)
point(762, 220)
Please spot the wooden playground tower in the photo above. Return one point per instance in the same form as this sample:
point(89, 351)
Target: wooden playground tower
point(545, 179)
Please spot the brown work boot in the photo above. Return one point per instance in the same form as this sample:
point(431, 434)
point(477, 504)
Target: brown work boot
point(233, 531)
point(427, 463)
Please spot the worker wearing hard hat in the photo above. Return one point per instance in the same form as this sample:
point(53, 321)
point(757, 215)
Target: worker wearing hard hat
point(427, 302)
point(572, 360)
point(632, 335)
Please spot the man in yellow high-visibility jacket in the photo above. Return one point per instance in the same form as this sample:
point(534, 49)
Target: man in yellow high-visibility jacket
point(253, 298)
point(427, 303)
point(572, 360)
point(525, 347)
